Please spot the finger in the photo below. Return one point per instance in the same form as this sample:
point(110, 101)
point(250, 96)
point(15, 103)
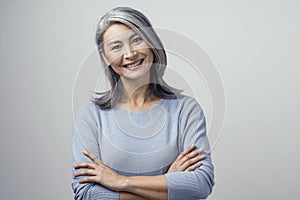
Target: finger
point(201, 149)
point(195, 153)
point(186, 151)
point(192, 161)
point(88, 179)
point(193, 167)
point(94, 158)
point(89, 165)
point(191, 155)
point(88, 172)
point(202, 157)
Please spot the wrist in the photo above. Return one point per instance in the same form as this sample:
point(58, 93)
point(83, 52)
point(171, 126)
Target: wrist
point(124, 183)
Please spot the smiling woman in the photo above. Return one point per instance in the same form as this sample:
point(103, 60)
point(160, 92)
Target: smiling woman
point(137, 56)
point(142, 139)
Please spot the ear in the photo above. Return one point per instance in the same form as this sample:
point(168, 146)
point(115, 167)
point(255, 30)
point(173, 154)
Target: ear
point(104, 58)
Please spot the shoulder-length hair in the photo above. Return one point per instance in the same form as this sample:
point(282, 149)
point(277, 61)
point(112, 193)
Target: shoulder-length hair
point(138, 22)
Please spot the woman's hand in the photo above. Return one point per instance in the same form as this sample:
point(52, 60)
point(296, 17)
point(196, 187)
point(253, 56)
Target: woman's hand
point(99, 173)
point(188, 160)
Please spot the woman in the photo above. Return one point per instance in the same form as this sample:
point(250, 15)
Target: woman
point(142, 139)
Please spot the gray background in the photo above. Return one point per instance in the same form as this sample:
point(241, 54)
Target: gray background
point(254, 45)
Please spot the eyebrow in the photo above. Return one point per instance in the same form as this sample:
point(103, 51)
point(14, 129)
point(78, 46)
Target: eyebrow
point(117, 41)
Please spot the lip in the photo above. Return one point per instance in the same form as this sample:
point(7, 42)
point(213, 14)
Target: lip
point(137, 66)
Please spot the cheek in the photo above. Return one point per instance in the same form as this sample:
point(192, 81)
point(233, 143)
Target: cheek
point(149, 54)
point(116, 66)
point(152, 57)
point(117, 70)
point(116, 61)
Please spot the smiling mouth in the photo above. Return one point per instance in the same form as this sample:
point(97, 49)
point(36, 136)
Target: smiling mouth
point(134, 65)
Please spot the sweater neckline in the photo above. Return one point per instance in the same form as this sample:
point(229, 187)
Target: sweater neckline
point(140, 111)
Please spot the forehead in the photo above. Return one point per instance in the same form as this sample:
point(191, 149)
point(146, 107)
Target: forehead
point(117, 32)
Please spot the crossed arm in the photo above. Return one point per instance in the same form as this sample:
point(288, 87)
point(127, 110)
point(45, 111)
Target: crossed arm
point(136, 187)
point(102, 182)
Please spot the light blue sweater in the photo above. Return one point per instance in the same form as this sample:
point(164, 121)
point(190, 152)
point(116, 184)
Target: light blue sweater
point(144, 143)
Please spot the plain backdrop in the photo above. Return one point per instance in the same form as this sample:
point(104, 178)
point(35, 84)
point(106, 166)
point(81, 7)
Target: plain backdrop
point(255, 46)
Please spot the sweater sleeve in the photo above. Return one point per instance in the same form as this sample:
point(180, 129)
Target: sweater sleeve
point(196, 184)
point(84, 136)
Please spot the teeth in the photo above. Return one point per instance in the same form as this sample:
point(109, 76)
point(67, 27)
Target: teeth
point(134, 64)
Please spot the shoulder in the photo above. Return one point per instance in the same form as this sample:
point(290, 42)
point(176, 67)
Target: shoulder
point(190, 108)
point(88, 109)
point(188, 103)
point(183, 104)
point(188, 100)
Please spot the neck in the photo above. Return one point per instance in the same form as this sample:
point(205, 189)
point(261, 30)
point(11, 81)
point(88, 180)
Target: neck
point(135, 90)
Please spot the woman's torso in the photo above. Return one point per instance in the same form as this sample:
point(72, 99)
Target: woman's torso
point(140, 142)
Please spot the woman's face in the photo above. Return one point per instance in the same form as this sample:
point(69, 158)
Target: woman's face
point(127, 53)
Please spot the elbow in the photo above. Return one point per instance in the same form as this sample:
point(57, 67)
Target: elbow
point(204, 192)
point(89, 191)
point(80, 190)
point(206, 186)
point(79, 194)
point(189, 185)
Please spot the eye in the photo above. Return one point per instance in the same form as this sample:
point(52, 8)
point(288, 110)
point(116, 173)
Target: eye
point(136, 40)
point(116, 47)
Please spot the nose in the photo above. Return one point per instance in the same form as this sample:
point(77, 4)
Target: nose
point(130, 54)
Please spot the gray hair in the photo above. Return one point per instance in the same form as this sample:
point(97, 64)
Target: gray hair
point(138, 22)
